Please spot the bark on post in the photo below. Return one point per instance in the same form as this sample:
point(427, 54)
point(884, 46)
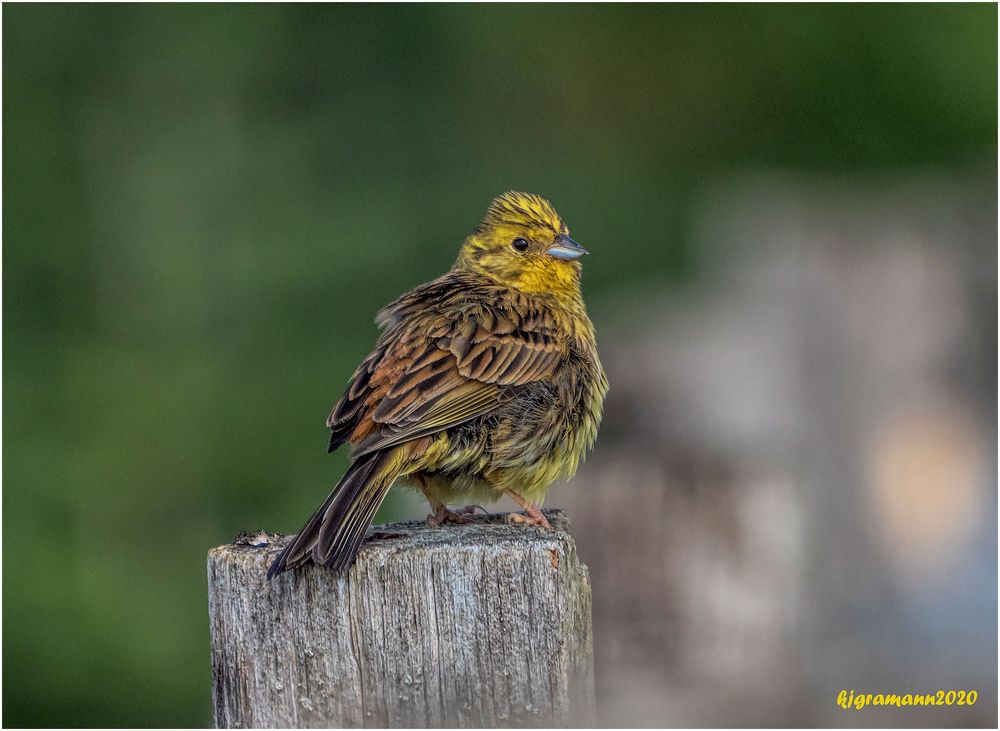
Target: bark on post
point(486, 624)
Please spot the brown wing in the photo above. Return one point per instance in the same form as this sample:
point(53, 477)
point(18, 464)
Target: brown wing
point(437, 370)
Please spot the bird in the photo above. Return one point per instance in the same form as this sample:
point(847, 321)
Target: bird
point(484, 382)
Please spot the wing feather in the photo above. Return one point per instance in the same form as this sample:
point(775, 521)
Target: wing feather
point(444, 358)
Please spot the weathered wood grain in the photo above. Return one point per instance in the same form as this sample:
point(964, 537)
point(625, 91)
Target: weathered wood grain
point(486, 624)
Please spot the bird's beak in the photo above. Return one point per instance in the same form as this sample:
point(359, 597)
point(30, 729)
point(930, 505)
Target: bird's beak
point(565, 248)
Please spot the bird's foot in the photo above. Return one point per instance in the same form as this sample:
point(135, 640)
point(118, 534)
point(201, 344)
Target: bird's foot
point(459, 516)
point(531, 516)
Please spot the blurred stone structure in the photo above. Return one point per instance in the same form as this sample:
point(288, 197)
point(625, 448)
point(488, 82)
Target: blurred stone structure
point(794, 491)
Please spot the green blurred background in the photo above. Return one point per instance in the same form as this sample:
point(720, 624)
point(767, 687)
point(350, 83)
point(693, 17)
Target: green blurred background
point(205, 205)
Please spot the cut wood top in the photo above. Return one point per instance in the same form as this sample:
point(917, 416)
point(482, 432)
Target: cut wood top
point(384, 541)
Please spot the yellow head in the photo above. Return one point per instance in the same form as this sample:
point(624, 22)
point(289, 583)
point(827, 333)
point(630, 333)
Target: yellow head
point(523, 243)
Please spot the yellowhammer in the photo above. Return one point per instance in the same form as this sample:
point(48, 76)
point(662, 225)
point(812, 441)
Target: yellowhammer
point(485, 382)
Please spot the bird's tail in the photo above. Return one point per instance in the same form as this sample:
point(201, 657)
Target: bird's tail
point(334, 534)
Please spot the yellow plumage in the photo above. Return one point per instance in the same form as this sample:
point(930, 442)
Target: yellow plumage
point(485, 382)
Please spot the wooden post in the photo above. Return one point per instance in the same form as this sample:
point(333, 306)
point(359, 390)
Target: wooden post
point(485, 624)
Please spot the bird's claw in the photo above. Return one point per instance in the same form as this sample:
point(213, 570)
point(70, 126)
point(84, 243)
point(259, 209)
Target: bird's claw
point(457, 516)
point(529, 517)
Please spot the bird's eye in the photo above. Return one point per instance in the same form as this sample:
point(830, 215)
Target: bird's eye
point(520, 244)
